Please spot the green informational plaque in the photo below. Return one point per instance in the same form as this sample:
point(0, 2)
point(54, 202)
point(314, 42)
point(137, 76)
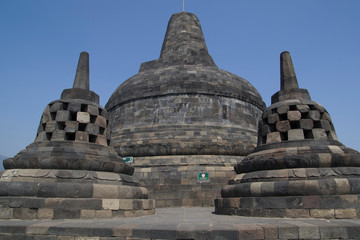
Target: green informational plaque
point(203, 177)
point(128, 160)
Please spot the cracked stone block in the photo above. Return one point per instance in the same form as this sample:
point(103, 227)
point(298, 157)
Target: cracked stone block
point(283, 126)
point(296, 134)
point(294, 115)
point(273, 137)
point(83, 117)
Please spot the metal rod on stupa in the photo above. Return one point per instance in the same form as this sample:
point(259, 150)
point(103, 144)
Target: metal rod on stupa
point(82, 72)
point(287, 72)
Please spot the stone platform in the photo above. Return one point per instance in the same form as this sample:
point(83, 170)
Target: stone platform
point(181, 223)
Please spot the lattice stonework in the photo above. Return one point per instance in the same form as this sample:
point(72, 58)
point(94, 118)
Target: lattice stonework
point(74, 121)
point(295, 121)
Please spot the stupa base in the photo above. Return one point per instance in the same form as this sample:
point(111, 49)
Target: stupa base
point(71, 194)
point(329, 207)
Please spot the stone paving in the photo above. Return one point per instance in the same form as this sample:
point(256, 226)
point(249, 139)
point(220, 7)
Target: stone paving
point(181, 223)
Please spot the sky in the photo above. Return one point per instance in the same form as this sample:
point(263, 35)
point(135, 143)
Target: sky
point(40, 43)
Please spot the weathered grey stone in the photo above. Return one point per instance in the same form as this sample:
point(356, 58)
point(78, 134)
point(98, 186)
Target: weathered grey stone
point(273, 118)
point(294, 115)
point(296, 134)
point(306, 124)
point(283, 126)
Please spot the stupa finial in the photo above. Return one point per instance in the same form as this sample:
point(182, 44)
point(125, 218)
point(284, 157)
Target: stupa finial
point(287, 72)
point(81, 88)
point(82, 72)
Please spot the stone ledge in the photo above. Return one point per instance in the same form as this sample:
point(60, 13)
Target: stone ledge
point(189, 223)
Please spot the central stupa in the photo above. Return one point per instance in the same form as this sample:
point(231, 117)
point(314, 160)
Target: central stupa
point(181, 117)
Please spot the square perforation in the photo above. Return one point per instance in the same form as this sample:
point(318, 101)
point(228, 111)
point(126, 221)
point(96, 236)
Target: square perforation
point(83, 107)
point(308, 134)
point(65, 105)
point(283, 136)
point(274, 110)
point(294, 124)
point(53, 115)
point(283, 117)
point(293, 107)
point(101, 130)
point(73, 116)
point(82, 127)
point(70, 136)
point(60, 125)
point(92, 138)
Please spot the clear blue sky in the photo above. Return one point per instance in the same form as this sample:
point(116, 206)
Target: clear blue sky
point(40, 43)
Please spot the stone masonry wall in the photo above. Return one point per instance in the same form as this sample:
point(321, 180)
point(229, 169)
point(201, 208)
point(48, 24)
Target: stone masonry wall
point(184, 124)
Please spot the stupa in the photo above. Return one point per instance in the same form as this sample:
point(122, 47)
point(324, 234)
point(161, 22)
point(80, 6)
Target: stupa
point(299, 169)
point(184, 121)
point(70, 171)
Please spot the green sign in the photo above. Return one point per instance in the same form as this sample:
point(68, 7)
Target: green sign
point(203, 177)
point(128, 159)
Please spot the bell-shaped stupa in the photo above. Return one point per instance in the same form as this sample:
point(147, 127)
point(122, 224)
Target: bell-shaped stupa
point(182, 116)
point(70, 171)
point(299, 168)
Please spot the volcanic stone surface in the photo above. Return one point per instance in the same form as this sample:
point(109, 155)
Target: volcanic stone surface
point(299, 168)
point(182, 115)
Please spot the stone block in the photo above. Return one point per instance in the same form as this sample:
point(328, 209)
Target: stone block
point(87, 213)
point(62, 115)
point(273, 137)
point(92, 129)
point(46, 116)
point(45, 213)
point(105, 191)
point(82, 136)
point(56, 107)
point(306, 124)
point(325, 124)
point(283, 109)
point(322, 213)
point(71, 126)
point(326, 116)
point(58, 135)
point(92, 110)
point(110, 204)
point(74, 107)
point(101, 121)
point(103, 214)
point(102, 140)
point(51, 126)
point(314, 115)
point(296, 134)
point(83, 117)
point(283, 126)
point(294, 115)
point(346, 213)
point(319, 134)
point(303, 108)
point(333, 136)
point(41, 137)
point(273, 118)
point(126, 204)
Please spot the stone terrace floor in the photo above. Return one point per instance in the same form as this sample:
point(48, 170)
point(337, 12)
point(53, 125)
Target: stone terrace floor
point(180, 223)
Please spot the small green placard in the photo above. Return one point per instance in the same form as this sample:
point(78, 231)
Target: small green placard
point(203, 177)
point(128, 159)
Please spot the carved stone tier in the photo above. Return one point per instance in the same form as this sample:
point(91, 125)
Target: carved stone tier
point(71, 194)
point(299, 168)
